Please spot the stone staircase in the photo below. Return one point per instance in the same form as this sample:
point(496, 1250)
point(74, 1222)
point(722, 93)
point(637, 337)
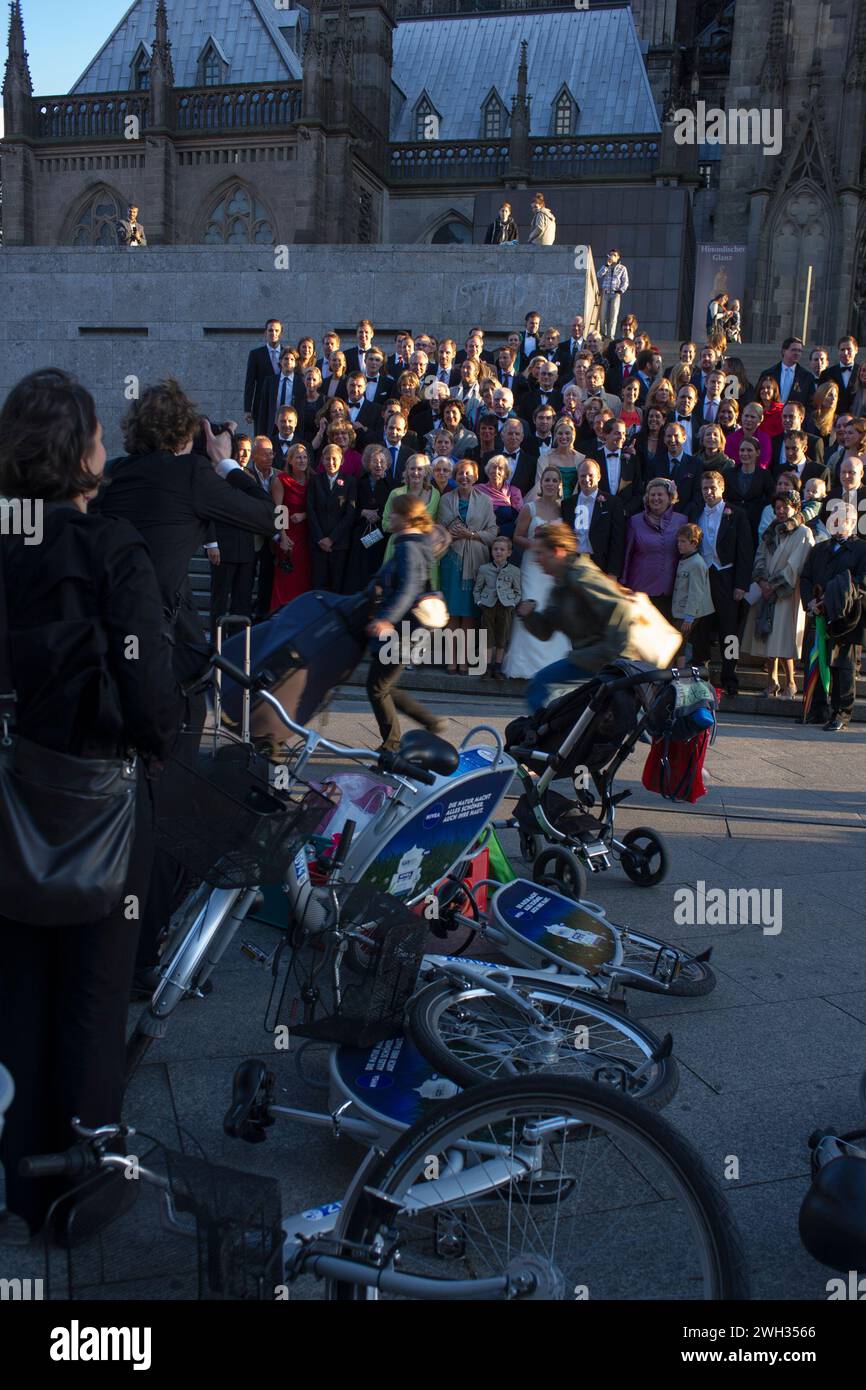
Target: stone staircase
point(757, 357)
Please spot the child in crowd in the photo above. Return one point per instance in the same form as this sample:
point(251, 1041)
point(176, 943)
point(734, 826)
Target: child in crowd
point(691, 602)
point(497, 592)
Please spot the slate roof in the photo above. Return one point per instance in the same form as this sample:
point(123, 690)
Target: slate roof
point(247, 30)
point(456, 61)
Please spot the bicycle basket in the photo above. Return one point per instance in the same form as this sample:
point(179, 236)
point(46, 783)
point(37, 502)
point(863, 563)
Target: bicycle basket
point(355, 993)
point(224, 1242)
point(222, 819)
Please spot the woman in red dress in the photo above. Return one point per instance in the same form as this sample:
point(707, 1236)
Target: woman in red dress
point(289, 490)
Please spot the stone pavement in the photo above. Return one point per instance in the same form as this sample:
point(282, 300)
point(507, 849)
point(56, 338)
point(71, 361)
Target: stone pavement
point(774, 1052)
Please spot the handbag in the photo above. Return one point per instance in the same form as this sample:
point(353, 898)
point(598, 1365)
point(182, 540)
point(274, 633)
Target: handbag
point(651, 637)
point(66, 823)
point(430, 610)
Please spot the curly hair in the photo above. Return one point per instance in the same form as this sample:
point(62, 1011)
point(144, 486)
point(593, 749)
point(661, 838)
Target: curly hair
point(47, 424)
point(163, 419)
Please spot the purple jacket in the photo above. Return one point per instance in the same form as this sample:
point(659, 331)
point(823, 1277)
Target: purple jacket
point(651, 553)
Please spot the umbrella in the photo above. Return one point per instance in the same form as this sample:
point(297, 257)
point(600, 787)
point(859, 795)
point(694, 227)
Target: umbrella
point(817, 668)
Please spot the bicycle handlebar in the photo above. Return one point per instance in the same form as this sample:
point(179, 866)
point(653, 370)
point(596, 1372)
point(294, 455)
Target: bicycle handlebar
point(73, 1163)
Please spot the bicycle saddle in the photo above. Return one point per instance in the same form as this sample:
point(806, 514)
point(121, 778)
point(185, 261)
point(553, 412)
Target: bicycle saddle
point(429, 751)
point(833, 1215)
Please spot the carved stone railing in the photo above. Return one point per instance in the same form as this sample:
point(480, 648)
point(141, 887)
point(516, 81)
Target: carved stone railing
point(424, 9)
point(254, 107)
point(424, 161)
point(88, 117)
point(237, 108)
point(612, 156)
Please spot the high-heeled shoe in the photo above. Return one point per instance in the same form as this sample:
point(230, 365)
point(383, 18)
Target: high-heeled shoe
point(771, 691)
point(790, 692)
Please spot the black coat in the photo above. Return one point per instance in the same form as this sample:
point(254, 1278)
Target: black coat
point(171, 501)
point(803, 385)
point(630, 490)
point(846, 393)
point(331, 510)
point(827, 560)
point(365, 424)
point(532, 399)
point(685, 471)
point(500, 231)
point(761, 491)
point(606, 530)
point(814, 452)
point(74, 603)
point(365, 560)
point(259, 389)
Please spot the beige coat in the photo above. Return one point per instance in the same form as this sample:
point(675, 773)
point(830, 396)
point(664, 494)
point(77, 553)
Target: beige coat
point(481, 519)
point(782, 568)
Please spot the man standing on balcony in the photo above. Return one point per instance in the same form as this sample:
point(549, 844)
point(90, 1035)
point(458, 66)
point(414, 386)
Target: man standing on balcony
point(503, 229)
point(613, 283)
point(542, 231)
point(129, 230)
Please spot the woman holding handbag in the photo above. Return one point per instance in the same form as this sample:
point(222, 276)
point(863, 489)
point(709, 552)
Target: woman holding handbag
point(83, 644)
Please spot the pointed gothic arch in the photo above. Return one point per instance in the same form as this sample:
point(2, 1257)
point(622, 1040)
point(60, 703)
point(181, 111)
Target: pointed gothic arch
point(235, 214)
point(92, 217)
point(447, 228)
point(494, 116)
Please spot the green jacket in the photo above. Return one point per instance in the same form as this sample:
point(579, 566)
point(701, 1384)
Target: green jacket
point(592, 612)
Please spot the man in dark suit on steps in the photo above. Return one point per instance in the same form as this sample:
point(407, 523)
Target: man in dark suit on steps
point(673, 462)
point(330, 517)
point(522, 463)
point(263, 364)
point(795, 383)
point(729, 554)
point(597, 520)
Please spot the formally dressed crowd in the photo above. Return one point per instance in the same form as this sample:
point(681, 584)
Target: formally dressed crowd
point(712, 494)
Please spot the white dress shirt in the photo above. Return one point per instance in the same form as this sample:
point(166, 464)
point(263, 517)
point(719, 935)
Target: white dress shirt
point(613, 464)
point(583, 520)
point(711, 520)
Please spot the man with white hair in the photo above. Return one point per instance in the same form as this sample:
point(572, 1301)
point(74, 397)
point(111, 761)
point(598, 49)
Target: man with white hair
point(833, 585)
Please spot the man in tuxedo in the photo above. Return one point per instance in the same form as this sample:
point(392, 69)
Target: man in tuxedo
point(521, 462)
point(565, 354)
point(550, 345)
point(546, 393)
point(363, 414)
point(232, 555)
point(707, 409)
point(793, 415)
point(330, 516)
point(687, 400)
point(827, 565)
point(540, 437)
point(794, 382)
point(728, 553)
point(398, 450)
point(844, 372)
point(529, 339)
point(623, 369)
point(503, 229)
point(446, 371)
point(819, 361)
point(286, 434)
point(688, 353)
point(419, 363)
point(379, 385)
point(505, 370)
point(474, 350)
point(620, 471)
point(356, 357)
point(673, 462)
point(263, 364)
point(796, 461)
point(129, 230)
point(598, 521)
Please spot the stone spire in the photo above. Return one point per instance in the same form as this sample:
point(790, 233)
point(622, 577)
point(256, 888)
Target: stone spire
point(314, 65)
point(773, 71)
point(518, 155)
point(161, 70)
point(17, 83)
point(855, 67)
point(341, 68)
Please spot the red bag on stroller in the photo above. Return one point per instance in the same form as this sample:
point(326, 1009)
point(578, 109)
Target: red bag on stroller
point(673, 769)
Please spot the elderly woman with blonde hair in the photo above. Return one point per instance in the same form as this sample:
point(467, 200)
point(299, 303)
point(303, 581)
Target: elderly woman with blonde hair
point(469, 518)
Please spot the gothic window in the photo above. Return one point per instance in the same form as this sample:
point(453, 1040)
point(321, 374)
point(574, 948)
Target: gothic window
point(238, 219)
point(426, 120)
point(452, 232)
point(213, 68)
point(563, 119)
point(142, 74)
point(492, 118)
point(96, 224)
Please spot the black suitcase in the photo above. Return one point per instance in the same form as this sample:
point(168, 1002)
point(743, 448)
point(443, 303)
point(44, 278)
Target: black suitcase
point(305, 649)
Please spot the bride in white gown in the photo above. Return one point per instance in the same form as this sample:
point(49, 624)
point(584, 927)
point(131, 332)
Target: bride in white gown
point(527, 654)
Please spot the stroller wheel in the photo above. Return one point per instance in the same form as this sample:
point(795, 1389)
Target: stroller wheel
point(528, 846)
point(559, 868)
point(644, 857)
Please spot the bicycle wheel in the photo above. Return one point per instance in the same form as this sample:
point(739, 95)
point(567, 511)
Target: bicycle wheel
point(471, 1035)
point(570, 1187)
point(639, 952)
point(644, 858)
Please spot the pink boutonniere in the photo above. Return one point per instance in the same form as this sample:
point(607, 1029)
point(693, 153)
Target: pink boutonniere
point(339, 482)
point(726, 512)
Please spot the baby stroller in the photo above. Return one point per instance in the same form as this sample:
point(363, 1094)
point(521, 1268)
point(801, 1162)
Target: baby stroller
point(587, 735)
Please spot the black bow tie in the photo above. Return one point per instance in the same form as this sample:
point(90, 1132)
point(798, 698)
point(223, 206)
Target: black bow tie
point(512, 457)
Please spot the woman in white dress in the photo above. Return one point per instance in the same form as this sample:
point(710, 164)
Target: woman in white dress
point(527, 654)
